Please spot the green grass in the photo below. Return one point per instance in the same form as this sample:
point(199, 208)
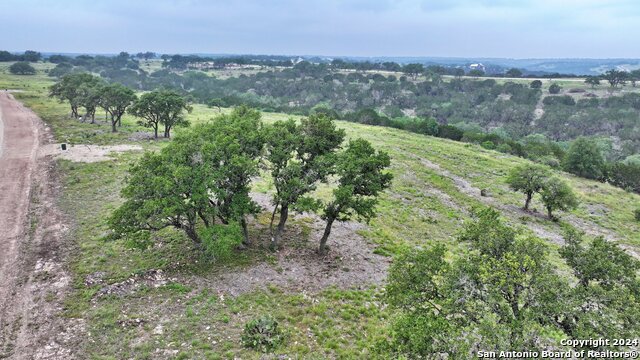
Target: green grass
point(422, 207)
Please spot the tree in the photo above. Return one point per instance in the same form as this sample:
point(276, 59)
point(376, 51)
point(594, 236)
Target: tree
point(625, 175)
point(31, 56)
point(201, 176)
point(458, 73)
point(22, 68)
point(513, 72)
point(605, 304)
point(216, 103)
point(615, 77)
point(232, 146)
point(89, 94)
point(503, 294)
point(528, 179)
point(413, 70)
point(146, 55)
point(476, 73)
point(61, 70)
point(554, 88)
point(557, 195)
point(592, 80)
point(535, 84)
point(300, 156)
point(584, 159)
point(361, 177)
point(158, 194)
point(115, 98)
point(7, 56)
point(634, 77)
point(68, 89)
point(161, 107)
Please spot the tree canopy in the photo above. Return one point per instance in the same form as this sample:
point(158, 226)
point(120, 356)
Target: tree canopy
point(585, 159)
point(528, 179)
point(201, 176)
point(115, 98)
point(361, 177)
point(300, 156)
point(161, 107)
point(22, 68)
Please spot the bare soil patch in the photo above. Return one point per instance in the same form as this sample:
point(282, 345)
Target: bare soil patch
point(85, 153)
point(33, 277)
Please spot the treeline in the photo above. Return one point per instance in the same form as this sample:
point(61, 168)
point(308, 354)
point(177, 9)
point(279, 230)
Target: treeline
point(29, 56)
point(505, 108)
point(200, 182)
point(182, 62)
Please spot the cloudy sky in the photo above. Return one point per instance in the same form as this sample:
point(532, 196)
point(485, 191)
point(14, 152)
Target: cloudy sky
point(458, 28)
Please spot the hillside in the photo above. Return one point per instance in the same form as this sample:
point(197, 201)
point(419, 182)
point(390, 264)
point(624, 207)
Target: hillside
point(169, 301)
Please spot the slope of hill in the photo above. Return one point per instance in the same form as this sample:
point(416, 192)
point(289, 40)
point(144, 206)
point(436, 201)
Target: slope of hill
point(170, 301)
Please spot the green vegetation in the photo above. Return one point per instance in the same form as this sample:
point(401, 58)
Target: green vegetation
point(161, 107)
point(360, 180)
point(528, 179)
point(22, 68)
point(557, 195)
point(262, 334)
point(584, 159)
point(505, 294)
point(300, 156)
point(193, 312)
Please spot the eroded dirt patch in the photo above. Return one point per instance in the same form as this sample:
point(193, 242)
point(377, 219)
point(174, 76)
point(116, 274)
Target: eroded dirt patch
point(85, 153)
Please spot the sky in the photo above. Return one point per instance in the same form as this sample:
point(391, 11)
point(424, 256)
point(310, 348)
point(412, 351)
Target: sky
point(442, 28)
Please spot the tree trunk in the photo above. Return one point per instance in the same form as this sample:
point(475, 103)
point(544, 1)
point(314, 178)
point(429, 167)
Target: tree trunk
point(245, 231)
point(284, 214)
point(113, 126)
point(192, 234)
point(120, 121)
point(528, 201)
point(167, 131)
point(325, 236)
point(550, 214)
point(155, 131)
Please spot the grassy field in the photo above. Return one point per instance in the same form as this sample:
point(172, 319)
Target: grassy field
point(176, 308)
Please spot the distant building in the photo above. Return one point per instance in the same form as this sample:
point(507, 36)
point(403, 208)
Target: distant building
point(477, 66)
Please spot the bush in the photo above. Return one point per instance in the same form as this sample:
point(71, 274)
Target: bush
point(262, 334)
point(636, 214)
point(504, 148)
point(554, 89)
point(22, 68)
point(489, 145)
point(585, 159)
point(450, 132)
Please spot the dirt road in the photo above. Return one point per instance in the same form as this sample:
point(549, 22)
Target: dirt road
point(33, 281)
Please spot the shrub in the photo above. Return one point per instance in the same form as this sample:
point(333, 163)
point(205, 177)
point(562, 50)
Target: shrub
point(504, 148)
point(636, 214)
point(450, 132)
point(262, 334)
point(554, 88)
point(488, 145)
